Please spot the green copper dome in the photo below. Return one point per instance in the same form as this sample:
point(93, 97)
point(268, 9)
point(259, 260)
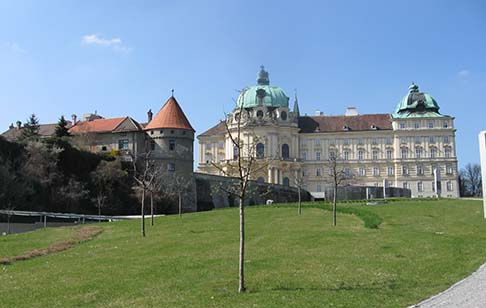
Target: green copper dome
point(263, 94)
point(416, 104)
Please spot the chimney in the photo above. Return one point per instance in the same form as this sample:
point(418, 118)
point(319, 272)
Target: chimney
point(19, 124)
point(11, 126)
point(319, 113)
point(74, 118)
point(149, 115)
point(351, 111)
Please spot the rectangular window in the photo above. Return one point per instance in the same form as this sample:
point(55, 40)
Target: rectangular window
point(304, 172)
point(374, 141)
point(447, 152)
point(449, 186)
point(445, 124)
point(402, 125)
point(152, 145)
point(360, 155)
point(404, 170)
point(405, 185)
point(171, 167)
point(304, 155)
point(418, 152)
point(374, 154)
point(420, 170)
point(317, 142)
point(123, 144)
point(376, 171)
point(346, 141)
point(389, 140)
point(318, 155)
point(360, 141)
point(417, 139)
point(362, 171)
point(433, 153)
point(390, 170)
point(389, 154)
point(430, 124)
point(433, 186)
point(416, 124)
point(431, 139)
point(404, 153)
point(420, 186)
point(346, 155)
point(318, 187)
point(318, 172)
point(446, 139)
point(449, 169)
point(172, 144)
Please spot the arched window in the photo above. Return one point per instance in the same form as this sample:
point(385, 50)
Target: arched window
point(283, 115)
point(260, 150)
point(285, 151)
point(260, 179)
point(286, 182)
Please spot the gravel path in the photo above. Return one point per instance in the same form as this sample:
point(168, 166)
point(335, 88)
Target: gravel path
point(467, 293)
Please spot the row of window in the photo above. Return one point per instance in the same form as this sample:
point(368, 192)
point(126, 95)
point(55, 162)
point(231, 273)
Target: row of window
point(375, 154)
point(390, 170)
point(347, 141)
point(406, 185)
point(429, 124)
point(423, 139)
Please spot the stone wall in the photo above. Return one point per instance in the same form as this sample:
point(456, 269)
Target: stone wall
point(212, 192)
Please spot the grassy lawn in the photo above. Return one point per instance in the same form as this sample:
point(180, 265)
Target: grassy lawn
point(419, 248)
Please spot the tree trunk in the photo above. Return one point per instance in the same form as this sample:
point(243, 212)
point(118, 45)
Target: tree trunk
point(8, 224)
point(334, 199)
point(180, 204)
point(143, 213)
point(241, 287)
point(299, 211)
point(99, 213)
point(152, 208)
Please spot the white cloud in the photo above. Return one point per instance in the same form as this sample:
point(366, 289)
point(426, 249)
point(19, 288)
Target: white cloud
point(14, 47)
point(463, 73)
point(114, 43)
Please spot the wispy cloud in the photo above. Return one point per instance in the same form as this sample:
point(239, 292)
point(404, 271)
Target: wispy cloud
point(113, 43)
point(463, 73)
point(14, 47)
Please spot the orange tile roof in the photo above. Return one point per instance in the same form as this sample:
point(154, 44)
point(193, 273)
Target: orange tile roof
point(96, 126)
point(170, 116)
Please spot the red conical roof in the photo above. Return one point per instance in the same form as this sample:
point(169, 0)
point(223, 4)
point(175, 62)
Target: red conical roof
point(170, 116)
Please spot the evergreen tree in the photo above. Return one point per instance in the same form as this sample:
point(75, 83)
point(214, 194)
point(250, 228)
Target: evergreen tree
point(30, 131)
point(61, 129)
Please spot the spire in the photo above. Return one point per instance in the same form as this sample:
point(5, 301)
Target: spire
point(296, 104)
point(262, 77)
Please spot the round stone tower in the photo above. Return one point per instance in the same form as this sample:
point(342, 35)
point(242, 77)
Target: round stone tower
point(170, 140)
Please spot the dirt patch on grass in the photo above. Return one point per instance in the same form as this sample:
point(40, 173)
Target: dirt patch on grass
point(82, 235)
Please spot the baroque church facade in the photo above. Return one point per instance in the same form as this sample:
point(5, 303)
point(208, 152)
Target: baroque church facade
point(413, 147)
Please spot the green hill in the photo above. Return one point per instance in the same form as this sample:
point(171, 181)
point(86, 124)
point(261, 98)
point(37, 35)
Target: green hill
point(420, 248)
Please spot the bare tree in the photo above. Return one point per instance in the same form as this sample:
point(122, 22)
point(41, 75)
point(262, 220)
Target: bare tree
point(470, 177)
point(243, 167)
point(144, 175)
point(299, 182)
point(338, 174)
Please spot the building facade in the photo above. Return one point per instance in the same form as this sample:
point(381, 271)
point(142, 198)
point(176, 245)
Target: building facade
point(413, 147)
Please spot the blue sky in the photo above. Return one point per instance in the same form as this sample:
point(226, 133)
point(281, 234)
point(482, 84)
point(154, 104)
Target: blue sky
point(123, 57)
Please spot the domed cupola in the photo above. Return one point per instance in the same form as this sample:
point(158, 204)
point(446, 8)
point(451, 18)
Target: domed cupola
point(416, 104)
point(263, 94)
